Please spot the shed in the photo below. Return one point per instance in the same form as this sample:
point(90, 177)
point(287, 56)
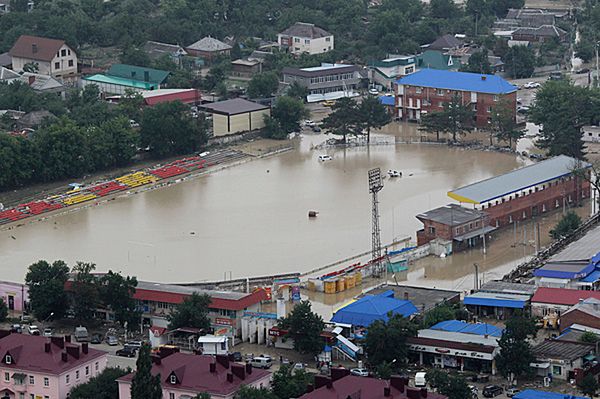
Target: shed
point(371, 308)
point(236, 116)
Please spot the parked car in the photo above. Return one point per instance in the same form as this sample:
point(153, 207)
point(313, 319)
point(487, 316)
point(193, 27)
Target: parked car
point(325, 158)
point(512, 391)
point(491, 391)
point(316, 129)
point(328, 103)
point(135, 344)
point(81, 334)
point(16, 328)
point(474, 391)
point(556, 76)
point(126, 351)
point(33, 329)
point(299, 366)
point(47, 332)
point(420, 380)
point(373, 91)
point(361, 372)
point(262, 362)
point(96, 339)
point(112, 340)
point(237, 356)
point(531, 85)
point(582, 70)
point(523, 109)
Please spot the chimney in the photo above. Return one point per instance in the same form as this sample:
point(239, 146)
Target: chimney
point(387, 392)
point(310, 388)
point(338, 372)
point(213, 367)
point(47, 347)
point(321, 381)
point(248, 368)
point(397, 382)
point(84, 347)
point(413, 393)
point(67, 338)
point(483, 77)
point(239, 371)
point(229, 377)
point(329, 384)
point(31, 79)
point(406, 295)
point(223, 360)
point(73, 351)
point(63, 356)
point(58, 341)
point(156, 359)
point(423, 392)
point(34, 48)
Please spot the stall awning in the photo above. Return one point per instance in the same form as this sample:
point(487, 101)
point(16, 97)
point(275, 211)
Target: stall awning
point(540, 365)
point(589, 357)
point(550, 280)
point(475, 233)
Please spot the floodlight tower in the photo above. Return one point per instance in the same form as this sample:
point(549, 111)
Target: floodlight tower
point(375, 185)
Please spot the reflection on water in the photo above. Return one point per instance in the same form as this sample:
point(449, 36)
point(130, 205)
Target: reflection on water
point(252, 219)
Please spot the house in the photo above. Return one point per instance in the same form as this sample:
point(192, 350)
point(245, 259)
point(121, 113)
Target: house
point(213, 345)
point(121, 77)
point(52, 57)
point(565, 274)
point(40, 367)
point(462, 226)
point(527, 192)
point(563, 360)
point(343, 385)
point(236, 116)
point(388, 70)
point(15, 295)
point(434, 59)
point(585, 313)
point(208, 48)
point(370, 308)
point(325, 82)
point(540, 34)
point(500, 299)
point(535, 394)
point(246, 68)
point(34, 119)
point(445, 43)
point(553, 302)
point(428, 90)
point(156, 50)
point(457, 344)
point(590, 134)
point(305, 38)
point(186, 375)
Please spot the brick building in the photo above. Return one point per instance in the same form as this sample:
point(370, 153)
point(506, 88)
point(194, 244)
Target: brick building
point(428, 90)
point(585, 313)
point(527, 192)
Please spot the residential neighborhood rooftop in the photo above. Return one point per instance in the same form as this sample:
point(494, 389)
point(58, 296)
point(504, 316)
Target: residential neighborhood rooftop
point(209, 44)
point(424, 298)
point(535, 394)
point(305, 30)
point(565, 269)
point(234, 106)
point(36, 48)
point(494, 299)
point(323, 69)
point(562, 296)
point(564, 350)
point(468, 328)
point(369, 308)
point(508, 288)
point(452, 215)
point(462, 81)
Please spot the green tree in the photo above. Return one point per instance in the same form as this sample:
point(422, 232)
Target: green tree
point(203, 395)
point(131, 104)
point(372, 114)
point(116, 293)
point(479, 63)
point(451, 385)
point(84, 291)
point(343, 119)
point(192, 312)
point(102, 386)
point(504, 125)
point(442, 312)
point(135, 56)
point(248, 392)
point(304, 327)
point(288, 112)
point(433, 122)
point(273, 129)
point(589, 337)
point(515, 351)
point(445, 9)
point(3, 310)
point(519, 62)
point(455, 119)
point(46, 284)
point(144, 385)
point(290, 383)
point(31, 67)
point(298, 91)
point(566, 226)
point(263, 85)
point(168, 129)
point(589, 385)
point(386, 341)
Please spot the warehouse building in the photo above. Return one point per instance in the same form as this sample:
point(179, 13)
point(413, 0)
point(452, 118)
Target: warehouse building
point(236, 116)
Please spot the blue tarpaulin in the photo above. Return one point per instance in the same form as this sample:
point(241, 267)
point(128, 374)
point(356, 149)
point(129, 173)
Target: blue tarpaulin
point(468, 328)
point(534, 394)
point(373, 307)
point(387, 100)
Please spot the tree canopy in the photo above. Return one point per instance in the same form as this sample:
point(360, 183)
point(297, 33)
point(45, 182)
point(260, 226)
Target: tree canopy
point(304, 327)
point(565, 226)
point(503, 124)
point(290, 383)
point(263, 85)
point(102, 386)
point(519, 62)
point(386, 341)
point(144, 385)
point(452, 385)
point(46, 284)
point(285, 118)
point(515, 350)
point(192, 312)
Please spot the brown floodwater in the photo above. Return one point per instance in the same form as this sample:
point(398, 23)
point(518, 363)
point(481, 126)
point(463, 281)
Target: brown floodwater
point(252, 219)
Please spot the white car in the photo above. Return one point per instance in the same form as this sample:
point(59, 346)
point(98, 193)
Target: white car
point(532, 85)
point(325, 158)
point(373, 91)
point(360, 372)
point(33, 329)
point(309, 123)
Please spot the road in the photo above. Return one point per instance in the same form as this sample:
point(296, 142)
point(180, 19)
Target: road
point(113, 359)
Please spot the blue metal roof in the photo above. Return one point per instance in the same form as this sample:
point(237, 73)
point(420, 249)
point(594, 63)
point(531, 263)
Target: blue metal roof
point(387, 100)
point(373, 307)
point(568, 270)
point(534, 394)
point(496, 300)
point(468, 328)
point(463, 81)
point(592, 277)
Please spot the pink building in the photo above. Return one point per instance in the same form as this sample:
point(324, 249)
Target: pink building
point(185, 376)
point(34, 367)
point(15, 295)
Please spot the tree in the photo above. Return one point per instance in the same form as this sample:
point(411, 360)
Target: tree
point(503, 125)
point(290, 383)
point(31, 67)
point(144, 385)
point(102, 386)
point(589, 337)
point(168, 129)
point(386, 340)
point(46, 284)
point(343, 119)
point(3, 310)
point(479, 63)
point(116, 293)
point(296, 90)
point(304, 327)
point(519, 62)
point(135, 56)
point(372, 114)
point(515, 351)
point(456, 118)
point(287, 113)
point(263, 85)
point(566, 226)
point(442, 312)
point(453, 386)
point(192, 312)
point(84, 291)
point(248, 392)
point(433, 122)
point(589, 385)
point(131, 104)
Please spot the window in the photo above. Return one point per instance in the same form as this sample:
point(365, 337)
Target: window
point(489, 109)
point(70, 63)
point(68, 378)
point(441, 104)
point(46, 397)
point(296, 40)
point(31, 396)
point(31, 380)
point(173, 379)
point(440, 92)
point(171, 395)
point(495, 98)
point(69, 52)
point(8, 359)
point(87, 370)
point(327, 39)
point(431, 230)
point(77, 374)
point(96, 366)
point(306, 41)
point(21, 395)
point(223, 346)
point(409, 70)
point(46, 382)
point(57, 65)
point(556, 370)
point(7, 377)
point(63, 53)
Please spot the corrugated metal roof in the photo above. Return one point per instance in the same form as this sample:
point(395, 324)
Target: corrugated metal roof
point(584, 248)
point(99, 78)
point(533, 394)
point(458, 337)
point(520, 179)
point(592, 277)
point(142, 74)
point(562, 296)
point(567, 270)
point(493, 299)
point(468, 328)
point(505, 287)
point(234, 106)
point(387, 100)
point(373, 307)
point(463, 81)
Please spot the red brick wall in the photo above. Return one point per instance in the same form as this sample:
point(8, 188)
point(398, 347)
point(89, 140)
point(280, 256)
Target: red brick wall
point(578, 317)
point(441, 231)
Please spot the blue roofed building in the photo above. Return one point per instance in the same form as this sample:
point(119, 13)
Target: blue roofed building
point(468, 328)
point(581, 273)
point(500, 299)
point(535, 394)
point(428, 90)
point(370, 308)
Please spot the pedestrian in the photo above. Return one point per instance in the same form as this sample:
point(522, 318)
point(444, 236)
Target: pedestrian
point(280, 359)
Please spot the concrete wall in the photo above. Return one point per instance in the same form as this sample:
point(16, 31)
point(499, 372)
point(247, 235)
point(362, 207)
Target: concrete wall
point(299, 45)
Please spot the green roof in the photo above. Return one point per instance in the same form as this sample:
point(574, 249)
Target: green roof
point(434, 59)
point(140, 74)
point(115, 80)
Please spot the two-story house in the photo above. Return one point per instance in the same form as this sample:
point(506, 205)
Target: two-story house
point(34, 367)
point(427, 91)
point(49, 56)
point(387, 71)
point(328, 81)
point(305, 38)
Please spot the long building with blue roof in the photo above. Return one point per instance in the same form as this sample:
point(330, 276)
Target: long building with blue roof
point(370, 308)
point(535, 394)
point(428, 90)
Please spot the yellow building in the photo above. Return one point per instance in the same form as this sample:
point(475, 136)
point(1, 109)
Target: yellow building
point(236, 116)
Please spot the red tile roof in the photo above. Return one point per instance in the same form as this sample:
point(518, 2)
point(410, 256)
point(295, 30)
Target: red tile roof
point(193, 374)
point(364, 388)
point(562, 296)
point(45, 49)
point(28, 354)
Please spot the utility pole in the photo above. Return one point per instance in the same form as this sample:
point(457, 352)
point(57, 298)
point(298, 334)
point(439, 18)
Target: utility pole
point(597, 68)
point(483, 231)
point(476, 276)
point(375, 186)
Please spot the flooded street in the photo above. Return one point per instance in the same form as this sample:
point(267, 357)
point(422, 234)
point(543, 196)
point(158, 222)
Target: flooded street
point(251, 220)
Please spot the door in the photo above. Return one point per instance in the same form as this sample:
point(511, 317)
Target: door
point(11, 302)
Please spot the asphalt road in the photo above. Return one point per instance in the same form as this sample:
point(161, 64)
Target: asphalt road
point(113, 359)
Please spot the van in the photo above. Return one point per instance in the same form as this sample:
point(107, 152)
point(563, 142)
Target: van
point(81, 334)
point(261, 362)
point(420, 380)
